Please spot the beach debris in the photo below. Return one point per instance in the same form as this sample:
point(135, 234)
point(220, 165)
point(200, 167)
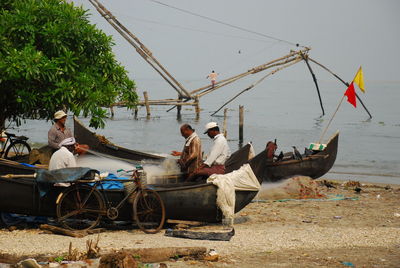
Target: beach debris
point(337, 217)
point(120, 259)
point(396, 214)
point(346, 263)
point(351, 184)
point(62, 231)
point(28, 263)
point(357, 190)
point(201, 235)
point(212, 255)
point(327, 183)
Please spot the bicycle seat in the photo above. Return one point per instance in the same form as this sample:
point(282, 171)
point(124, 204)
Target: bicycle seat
point(9, 134)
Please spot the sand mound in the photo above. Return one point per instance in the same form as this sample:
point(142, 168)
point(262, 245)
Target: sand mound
point(299, 187)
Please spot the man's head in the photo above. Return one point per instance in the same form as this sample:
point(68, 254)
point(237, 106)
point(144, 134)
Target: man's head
point(60, 117)
point(186, 130)
point(211, 129)
point(68, 143)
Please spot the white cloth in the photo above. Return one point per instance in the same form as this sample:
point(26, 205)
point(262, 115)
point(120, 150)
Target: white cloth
point(62, 158)
point(190, 138)
point(242, 179)
point(219, 152)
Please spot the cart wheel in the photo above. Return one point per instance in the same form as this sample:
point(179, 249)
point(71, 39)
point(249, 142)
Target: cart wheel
point(17, 150)
point(80, 208)
point(149, 211)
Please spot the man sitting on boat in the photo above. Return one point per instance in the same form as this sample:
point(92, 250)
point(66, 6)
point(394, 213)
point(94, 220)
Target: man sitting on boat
point(190, 157)
point(59, 132)
point(216, 158)
point(64, 157)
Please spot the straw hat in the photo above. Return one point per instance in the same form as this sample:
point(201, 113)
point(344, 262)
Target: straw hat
point(59, 115)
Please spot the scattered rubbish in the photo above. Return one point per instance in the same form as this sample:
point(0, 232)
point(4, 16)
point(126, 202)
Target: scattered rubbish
point(337, 217)
point(212, 255)
point(28, 263)
point(350, 184)
point(397, 214)
point(326, 183)
point(347, 264)
point(378, 196)
point(357, 190)
point(200, 235)
point(307, 221)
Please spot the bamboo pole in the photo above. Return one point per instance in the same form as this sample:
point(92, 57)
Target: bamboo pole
point(341, 80)
point(255, 84)
point(330, 120)
point(241, 122)
point(305, 58)
point(140, 48)
point(146, 101)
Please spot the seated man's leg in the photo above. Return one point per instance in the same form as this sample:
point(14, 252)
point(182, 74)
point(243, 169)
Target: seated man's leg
point(206, 172)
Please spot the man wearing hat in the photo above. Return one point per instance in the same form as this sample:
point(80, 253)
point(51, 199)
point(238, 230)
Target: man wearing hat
point(64, 157)
point(58, 132)
point(219, 153)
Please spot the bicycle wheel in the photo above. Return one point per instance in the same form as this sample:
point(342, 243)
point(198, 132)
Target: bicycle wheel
point(149, 211)
point(80, 208)
point(17, 150)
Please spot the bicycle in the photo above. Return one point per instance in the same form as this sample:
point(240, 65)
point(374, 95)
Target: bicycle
point(82, 206)
point(17, 148)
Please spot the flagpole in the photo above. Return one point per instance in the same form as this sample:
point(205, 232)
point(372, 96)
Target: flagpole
point(330, 120)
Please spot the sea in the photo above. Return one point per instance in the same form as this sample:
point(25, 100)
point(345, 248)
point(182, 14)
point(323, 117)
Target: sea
point(288, 111)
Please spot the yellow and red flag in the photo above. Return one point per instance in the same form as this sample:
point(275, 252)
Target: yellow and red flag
point(351, 95)
point(359, 79)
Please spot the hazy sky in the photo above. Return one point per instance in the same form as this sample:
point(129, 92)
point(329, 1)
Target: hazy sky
point(343, 35)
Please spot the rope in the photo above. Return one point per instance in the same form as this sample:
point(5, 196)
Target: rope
point(226, 24)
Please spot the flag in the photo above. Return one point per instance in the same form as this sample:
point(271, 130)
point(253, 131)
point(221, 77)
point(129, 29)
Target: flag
point(359, 79)
point(351, 95)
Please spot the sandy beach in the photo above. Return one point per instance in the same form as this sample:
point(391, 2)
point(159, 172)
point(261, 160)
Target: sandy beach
point(342, 228)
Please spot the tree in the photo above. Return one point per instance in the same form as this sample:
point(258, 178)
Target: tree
point(51, 58)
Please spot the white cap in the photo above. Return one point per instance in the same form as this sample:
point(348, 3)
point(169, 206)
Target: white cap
point(59, 115)
point(210, 126)
point(67, 141)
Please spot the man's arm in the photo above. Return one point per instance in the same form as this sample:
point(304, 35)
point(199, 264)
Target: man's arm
point(214, 153)
point(51, 137)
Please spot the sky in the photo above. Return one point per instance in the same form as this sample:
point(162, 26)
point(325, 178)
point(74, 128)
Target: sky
point(342, 34)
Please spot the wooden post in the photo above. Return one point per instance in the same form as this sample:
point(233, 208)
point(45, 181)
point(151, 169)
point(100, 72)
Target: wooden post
point(146, 102)
point(112, 111)
point(136, 112)
point(225, 115)
point(178, 109)
point(197, 107)
point(241, 120)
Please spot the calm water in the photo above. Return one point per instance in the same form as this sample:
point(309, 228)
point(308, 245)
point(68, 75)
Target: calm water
point(284, 110)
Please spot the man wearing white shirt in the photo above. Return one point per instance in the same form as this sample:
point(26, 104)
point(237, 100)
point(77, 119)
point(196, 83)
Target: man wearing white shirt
point(219, 153)
point(64, 157)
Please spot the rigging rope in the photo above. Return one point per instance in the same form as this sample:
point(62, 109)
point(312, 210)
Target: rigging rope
point(225, 23)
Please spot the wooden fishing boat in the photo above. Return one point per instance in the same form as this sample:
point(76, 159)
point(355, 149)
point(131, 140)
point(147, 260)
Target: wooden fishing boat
point(183, 201)
point(314, 166)
point(101, 145)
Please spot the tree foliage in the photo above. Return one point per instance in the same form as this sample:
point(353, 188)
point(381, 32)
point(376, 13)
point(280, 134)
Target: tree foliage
point(51, 58)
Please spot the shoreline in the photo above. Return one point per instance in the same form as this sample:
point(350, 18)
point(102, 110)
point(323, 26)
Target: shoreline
point(364, 230)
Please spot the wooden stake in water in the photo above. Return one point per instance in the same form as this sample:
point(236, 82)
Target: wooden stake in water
point(241, 120)
point(146, 102)
point(225, 115)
